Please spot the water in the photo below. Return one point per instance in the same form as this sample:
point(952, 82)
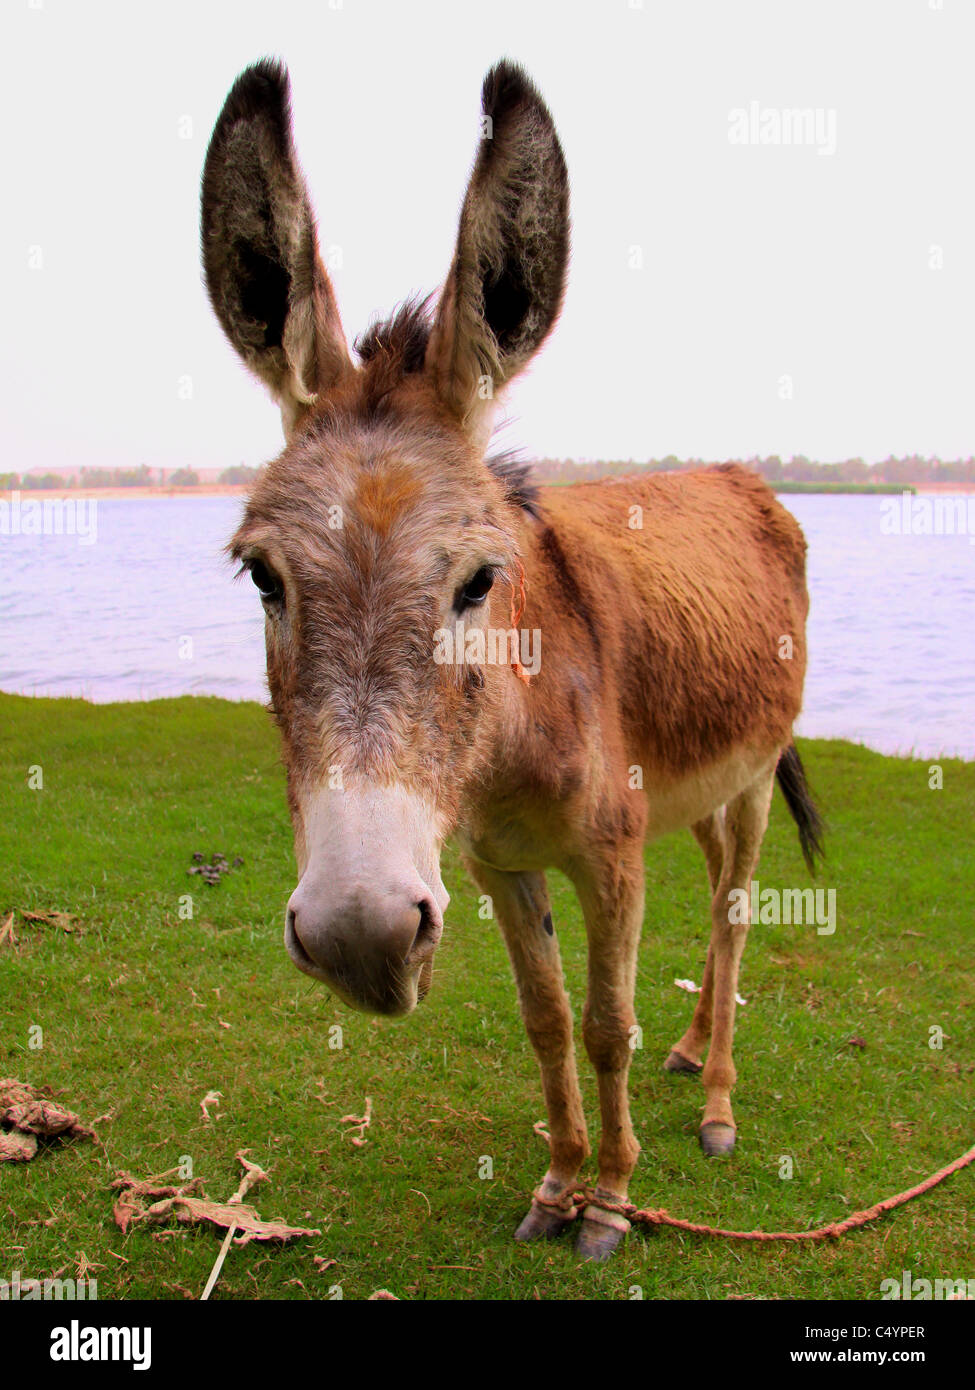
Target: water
point(150, 609)
point(891, 630)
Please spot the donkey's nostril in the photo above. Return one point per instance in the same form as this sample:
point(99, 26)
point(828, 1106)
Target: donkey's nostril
point(293, 940)
point(427, 933)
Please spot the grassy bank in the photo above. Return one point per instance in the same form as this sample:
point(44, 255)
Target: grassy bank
point(134, 1006)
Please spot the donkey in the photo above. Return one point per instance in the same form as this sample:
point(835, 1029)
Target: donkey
point(662, 700)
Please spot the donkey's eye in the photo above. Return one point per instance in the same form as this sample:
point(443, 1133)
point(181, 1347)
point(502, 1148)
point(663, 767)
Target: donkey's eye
point(269, 585)
point(476, 590)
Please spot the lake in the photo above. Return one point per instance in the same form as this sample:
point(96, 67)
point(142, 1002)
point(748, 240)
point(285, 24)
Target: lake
point(145, 606)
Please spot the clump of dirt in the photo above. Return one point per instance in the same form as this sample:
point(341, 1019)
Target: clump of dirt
point(213, 871)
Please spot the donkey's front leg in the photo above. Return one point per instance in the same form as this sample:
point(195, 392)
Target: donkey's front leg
point(522, 907)
point(612, 895)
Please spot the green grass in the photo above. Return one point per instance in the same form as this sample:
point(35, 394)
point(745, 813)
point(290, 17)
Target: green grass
point(131, 1013)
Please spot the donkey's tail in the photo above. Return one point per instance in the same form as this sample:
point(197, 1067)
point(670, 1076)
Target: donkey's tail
point(792, 780)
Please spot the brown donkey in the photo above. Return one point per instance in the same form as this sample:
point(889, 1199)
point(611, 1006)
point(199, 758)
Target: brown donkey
point(408, 580)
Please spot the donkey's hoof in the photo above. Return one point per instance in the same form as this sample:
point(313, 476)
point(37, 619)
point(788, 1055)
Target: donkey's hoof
point(717, 1139)
point(542, 1223)
point(678, 1062)
point(600, 1231)
point(597, 1240)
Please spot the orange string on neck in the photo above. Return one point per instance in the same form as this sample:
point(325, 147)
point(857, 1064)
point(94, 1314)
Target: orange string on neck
point(515, 619)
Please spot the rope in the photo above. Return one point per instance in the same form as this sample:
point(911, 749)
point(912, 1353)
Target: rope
point(659, 1216)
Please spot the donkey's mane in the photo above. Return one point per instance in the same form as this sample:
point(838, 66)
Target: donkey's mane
point(396, 347)
point(398, 344)
point(516, 475)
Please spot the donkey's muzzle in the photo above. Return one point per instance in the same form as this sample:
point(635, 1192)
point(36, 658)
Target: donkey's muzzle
point(374, 949)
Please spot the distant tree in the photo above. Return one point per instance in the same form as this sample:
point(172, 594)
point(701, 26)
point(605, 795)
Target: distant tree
point(183, 477)
point(912, 470)
point(892, 470)
point(39, 480)
point(9, 480)
point(96, 477)
point(238, 473)
point(132, 477)
point(854, 471)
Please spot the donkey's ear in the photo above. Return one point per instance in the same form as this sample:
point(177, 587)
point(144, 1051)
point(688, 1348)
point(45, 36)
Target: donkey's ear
point(266, 280)
point(505, 285)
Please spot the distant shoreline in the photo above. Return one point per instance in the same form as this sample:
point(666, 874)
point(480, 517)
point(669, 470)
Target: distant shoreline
point(111, 494)
point(789, 485)
point(140, 492)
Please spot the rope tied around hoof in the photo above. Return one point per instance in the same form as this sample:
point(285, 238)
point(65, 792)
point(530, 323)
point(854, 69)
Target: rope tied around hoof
point(658, 1216)
point(568, 1203)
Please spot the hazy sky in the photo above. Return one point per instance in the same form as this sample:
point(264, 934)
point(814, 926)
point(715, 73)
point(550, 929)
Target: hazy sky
point(709, 277)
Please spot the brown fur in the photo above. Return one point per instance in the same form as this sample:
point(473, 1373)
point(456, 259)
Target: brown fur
point(661, 645)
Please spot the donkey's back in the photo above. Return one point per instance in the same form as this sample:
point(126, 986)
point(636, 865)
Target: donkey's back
point(690, 593)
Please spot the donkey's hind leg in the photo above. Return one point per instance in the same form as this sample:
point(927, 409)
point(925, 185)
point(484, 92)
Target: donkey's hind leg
point(686, 1055)
point(522, 908)
point(746, 819)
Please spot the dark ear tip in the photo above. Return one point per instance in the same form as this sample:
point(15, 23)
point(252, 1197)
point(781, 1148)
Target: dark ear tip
point(507, 85)
point(261, 92)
